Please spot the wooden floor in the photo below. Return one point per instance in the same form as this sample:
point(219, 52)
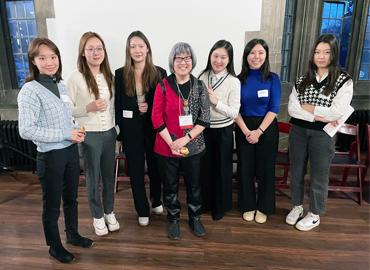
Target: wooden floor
point(341, 241)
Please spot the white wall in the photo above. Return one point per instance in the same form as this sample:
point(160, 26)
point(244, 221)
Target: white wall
point(199, 22)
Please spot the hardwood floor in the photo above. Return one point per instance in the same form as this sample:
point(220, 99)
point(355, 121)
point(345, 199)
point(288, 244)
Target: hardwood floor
point(342, 241)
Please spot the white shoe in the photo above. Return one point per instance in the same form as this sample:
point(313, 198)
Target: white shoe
point(294, 214)
point(112, 222)
point(260, 217)
point(309, 222)
point(249, 215)
point(143, 221)
point(100, 227)
point(158, 210)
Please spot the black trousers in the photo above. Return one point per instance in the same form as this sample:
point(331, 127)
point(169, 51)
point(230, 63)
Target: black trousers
point(217, 170)
point(257, 162)
point(169, 169)
point(136, 151)
point(59, 171)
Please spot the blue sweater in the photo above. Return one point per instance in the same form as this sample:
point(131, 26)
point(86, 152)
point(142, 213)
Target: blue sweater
point(260, 97)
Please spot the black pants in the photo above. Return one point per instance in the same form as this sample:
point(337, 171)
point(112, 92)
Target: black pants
point(58, 171)
point(136, 151)
point(257, 161)
point(216, 173)
point(169, 169)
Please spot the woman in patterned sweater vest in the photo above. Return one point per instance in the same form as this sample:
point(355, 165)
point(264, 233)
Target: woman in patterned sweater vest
point(319, 97)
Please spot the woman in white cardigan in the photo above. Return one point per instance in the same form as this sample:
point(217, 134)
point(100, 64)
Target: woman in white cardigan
point(91, 92)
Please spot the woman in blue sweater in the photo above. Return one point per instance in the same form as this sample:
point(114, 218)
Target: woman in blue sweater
point(257, 134)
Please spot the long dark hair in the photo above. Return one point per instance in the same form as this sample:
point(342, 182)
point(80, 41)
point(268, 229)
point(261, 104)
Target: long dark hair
point(265, 68)
point(334, 70)
point(230, 52)
point(33, 51)
point(150, 75)
point(83, 67)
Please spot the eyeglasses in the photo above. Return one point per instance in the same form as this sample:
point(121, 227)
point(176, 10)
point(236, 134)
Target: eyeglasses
point(92, 50)
point(187, 59)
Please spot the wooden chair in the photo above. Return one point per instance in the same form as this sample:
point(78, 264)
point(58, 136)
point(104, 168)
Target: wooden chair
point(120, 156)
point(282, 159)
point(346, 161)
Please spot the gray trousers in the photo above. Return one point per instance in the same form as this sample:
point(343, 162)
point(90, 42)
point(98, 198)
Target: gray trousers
point(98, 151)
point(317, 147)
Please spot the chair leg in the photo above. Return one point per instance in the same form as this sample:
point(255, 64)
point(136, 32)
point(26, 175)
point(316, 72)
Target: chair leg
point(359, 180)
point(116, 176)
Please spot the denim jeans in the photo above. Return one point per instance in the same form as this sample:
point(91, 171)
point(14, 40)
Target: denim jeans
point(317, 147)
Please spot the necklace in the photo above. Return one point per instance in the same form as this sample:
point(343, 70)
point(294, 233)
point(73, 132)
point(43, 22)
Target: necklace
point(185, 101)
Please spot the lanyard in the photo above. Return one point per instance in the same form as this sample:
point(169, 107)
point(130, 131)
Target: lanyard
point(185, 101)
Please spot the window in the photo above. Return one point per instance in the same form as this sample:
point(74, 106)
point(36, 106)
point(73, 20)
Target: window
point(22, 29)
point(286, 49)
point(364, 73)
point(337, 20)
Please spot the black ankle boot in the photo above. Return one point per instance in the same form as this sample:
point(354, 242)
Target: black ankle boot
point(61, 254)
point(173, 230)
point(197, 227)
point(77, 240)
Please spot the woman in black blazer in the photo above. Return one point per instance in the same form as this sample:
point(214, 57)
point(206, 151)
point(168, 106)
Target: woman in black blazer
point(135, 83)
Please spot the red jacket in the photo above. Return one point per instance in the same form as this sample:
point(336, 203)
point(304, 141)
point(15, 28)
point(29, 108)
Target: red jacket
point(167, 107)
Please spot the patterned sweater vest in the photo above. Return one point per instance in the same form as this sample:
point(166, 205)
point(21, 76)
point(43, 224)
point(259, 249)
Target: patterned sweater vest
point(313, 96)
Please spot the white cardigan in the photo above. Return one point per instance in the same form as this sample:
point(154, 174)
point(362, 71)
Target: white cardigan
point(80, 96)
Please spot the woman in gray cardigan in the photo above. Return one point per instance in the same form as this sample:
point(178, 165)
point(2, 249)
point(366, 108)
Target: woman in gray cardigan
point(46, 119)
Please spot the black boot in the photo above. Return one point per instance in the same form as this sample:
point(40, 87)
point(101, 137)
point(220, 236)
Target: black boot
point(77, 240)
point(173, 230)
point(197, 227)
point(61, 254)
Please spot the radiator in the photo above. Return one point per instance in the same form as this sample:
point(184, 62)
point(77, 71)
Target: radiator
point(15, 153)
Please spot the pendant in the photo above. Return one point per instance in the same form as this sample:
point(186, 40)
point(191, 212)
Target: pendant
point(186, 103)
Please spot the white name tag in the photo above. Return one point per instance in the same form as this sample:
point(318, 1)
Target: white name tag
point(126, 114)
point(263, 93)
point(66, 99)
point(186, 121)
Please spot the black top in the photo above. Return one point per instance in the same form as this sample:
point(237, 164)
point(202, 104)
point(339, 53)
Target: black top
point(133, 129)
point(50, 83)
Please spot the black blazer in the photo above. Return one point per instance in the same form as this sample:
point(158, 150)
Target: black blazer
point(133, 130)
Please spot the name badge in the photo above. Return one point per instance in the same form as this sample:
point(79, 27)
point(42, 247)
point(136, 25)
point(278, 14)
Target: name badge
point(263, 93)
point(126, 114)
point(186, 121)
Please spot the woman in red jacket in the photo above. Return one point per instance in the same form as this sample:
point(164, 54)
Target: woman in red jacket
point(180, 114)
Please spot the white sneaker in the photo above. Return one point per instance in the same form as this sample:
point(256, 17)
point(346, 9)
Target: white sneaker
point(249, 215)
point(112, 222)
point(100, 227)
point(158, 210)
point(260, 217)
point(143, 221)
point(309, 222)
point(294, 215)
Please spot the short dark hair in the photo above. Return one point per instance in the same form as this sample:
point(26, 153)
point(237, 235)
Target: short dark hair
point(265, 68)
point(33, 51)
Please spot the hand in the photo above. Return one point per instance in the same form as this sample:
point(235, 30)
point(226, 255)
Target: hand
point(78, 136)
point(320, 119)
point(335, 123)
point(254, 136)
point(212, 96)
point(308, 107)
point(143, 107)
point(99, 105)
point(176, 145)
